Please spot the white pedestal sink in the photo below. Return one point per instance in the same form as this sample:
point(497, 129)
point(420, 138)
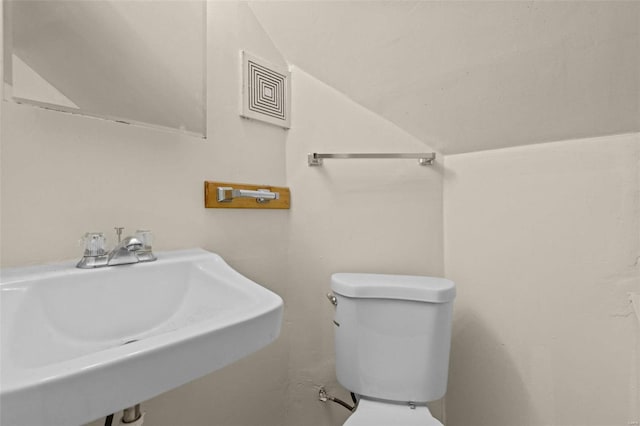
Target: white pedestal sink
point(78, 344)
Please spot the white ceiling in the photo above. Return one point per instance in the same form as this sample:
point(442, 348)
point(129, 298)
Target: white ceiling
point(468, 76)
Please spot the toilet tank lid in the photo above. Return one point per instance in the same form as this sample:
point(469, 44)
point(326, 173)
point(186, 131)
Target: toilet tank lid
point(403, 287)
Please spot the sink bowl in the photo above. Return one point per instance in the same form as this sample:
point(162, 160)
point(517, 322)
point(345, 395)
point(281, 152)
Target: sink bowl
point(77, 345)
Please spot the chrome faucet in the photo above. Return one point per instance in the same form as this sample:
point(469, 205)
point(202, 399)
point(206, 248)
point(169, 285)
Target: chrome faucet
point(128, 250)
point(125, 252)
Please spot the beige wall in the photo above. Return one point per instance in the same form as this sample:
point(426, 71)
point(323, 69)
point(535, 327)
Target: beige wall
point(543, 242)
point(63, 175)
point(473, 75)
point(380, 216)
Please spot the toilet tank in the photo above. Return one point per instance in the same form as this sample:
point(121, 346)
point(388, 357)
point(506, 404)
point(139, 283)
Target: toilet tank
point(393, 335)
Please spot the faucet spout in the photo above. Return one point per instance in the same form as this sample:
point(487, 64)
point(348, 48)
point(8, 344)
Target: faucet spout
point(125, 252)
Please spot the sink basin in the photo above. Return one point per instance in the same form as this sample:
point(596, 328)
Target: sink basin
point(77, 345)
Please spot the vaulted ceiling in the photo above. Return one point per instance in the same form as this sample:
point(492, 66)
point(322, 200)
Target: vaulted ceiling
point(467, 76)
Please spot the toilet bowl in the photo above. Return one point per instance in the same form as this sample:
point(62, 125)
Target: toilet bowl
point(376, 413)
point(392, 338)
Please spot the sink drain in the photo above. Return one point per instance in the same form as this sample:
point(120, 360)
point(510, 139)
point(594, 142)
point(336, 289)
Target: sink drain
point(129, 341)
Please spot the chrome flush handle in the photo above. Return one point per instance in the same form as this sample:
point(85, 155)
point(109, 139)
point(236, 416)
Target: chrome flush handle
point(333, 299)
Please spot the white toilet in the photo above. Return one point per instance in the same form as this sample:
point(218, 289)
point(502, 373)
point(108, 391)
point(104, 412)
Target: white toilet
point(393, 334)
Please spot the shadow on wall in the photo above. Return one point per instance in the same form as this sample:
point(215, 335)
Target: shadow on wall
point(485, 387)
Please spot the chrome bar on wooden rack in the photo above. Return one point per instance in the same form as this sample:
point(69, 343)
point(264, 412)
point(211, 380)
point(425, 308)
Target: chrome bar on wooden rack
point(424, 159)
point(227, 194)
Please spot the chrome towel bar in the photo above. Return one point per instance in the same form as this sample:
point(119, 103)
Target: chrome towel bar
point(424, 159)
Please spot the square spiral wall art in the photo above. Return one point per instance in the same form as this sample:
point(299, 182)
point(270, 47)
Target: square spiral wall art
point(266, 91)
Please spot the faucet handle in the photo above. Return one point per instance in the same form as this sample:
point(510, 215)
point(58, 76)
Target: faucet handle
point(146, 237)
point(146, 253)
point(94, 244)
point(95, 254)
